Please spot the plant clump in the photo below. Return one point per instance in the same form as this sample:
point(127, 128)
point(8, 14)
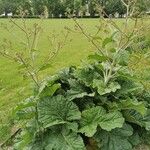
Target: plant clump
point(79, 108)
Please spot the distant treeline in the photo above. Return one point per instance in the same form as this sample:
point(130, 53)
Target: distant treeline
point(63, 8)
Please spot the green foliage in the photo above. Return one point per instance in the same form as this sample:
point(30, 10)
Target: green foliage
point(56, 7)
point(57, 110)
point(104, 89)
point(95, 116)
point(64, 139)
point(129, 104)
point(117, 139)
point(77, 104)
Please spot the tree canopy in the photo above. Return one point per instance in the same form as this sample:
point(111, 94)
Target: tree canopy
point(55, 8)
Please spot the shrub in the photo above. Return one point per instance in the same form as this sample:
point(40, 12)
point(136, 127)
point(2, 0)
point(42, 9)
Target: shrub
point(78, 108)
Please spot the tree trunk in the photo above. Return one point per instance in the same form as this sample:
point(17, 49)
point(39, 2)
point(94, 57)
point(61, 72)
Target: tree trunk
point(6, 13)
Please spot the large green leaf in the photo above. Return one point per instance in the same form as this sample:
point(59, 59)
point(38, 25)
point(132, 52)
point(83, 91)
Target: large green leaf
point(77, 90)
point(87, 75)
point(49, 90)
point(95, 116)
point(48, 87)
point(135, 139)
point(133, 117)
point(129, 104)
point(111, 121)
point(145, 136)
point(117, 139)
point(57, 110)
point(64, 140)
point(128, 84)
point(90, 119)
point(56, 138)
point(105, 89)
point(136, 118)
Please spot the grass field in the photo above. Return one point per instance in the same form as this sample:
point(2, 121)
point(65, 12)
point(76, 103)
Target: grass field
point(13, 88)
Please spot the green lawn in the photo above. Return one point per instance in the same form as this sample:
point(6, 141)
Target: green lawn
point(13, 88)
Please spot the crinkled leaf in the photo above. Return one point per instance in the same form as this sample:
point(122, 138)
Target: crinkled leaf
point(90, 119)
point(48, 81)
point(117, 139)
point(125, 131)
point(48, 88)
point(136, 118)
point(105, 89)
point(129, 104)
point(87, 75)
point(95, 116)
point(57, 110)
point(77, 90)
point(71, 94)
point(64, 140)
point(128, 85)
point(57, 138)
point(111, 121)
point(145, 137)
point(135, 139)
point(133, 117)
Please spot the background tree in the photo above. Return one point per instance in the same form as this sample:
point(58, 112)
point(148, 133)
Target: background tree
point(77, 6)
point(57, 7)
point(143, 5)
point(6, 6)
point(39, 6)
point(113, 6)
point(1, 9)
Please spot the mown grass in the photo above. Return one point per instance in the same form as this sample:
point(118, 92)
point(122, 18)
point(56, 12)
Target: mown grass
point(13, 87)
